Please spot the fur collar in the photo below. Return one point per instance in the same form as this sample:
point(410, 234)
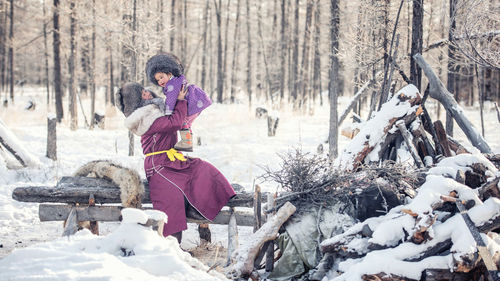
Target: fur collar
point(142, 118)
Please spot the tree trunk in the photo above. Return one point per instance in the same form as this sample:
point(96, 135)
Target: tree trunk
point(51, 138)
point(220, 75)
point(249, 53)
point(3, 25)
point(317, 54)
point(11, 51)
point(304, 69)
point(333, 78)
point(450, 84)
point(480, 97)
point(93, 68)
point(224, 60)
point(416, 42)
point(45, 54)
point(295, 55)
point(283, 50)
point(236, 55)
point(174, 24)
point(57, 64)
point(205, 50)
point(71, 66)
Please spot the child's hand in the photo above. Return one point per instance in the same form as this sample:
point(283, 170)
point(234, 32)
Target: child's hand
point(182, 93)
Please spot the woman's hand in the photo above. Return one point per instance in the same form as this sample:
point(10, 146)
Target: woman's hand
point(182, 93)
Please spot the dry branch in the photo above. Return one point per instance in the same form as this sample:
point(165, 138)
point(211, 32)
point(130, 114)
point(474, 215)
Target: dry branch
point(243, 258)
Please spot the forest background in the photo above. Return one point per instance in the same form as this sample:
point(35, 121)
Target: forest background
point(297, 54)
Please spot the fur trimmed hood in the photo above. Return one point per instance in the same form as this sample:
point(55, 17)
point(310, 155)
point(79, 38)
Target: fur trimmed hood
point(142, 118)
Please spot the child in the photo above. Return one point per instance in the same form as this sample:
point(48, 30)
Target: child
point(166, 71)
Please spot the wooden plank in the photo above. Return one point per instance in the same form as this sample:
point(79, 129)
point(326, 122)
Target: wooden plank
point(58, 212)
point(78, 190)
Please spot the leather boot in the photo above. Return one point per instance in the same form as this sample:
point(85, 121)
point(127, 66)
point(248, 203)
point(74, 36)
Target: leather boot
point(186, 142)
point(178, 236)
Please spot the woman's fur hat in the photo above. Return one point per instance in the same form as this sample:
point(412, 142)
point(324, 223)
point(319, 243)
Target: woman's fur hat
point(166, 63)
point(128, 98)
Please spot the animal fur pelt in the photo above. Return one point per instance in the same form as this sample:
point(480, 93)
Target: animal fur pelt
point(142, 118)
point(129, 181)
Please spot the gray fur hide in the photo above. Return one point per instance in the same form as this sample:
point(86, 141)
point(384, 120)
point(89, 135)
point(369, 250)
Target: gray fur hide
point(129, 181)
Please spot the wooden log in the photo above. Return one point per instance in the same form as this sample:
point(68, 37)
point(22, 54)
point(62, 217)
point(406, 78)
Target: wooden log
point(78, 190)
point(438, 91)
point(406, 136)
point(71, 223)
point(257, 203)
point(442, 137)
point(94, 225)
point(243, 259)
point(232, 235)
point(444, 274)
point(270, 248)
point(490, 189)
point(456, 146)
point(382, 276)
point(354, 100)
point(57, 212)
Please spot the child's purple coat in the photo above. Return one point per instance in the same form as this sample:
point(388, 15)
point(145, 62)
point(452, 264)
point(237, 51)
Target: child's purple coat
point(196, 98)
point(205, 188)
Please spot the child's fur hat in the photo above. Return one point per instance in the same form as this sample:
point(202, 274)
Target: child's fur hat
point(164, 62)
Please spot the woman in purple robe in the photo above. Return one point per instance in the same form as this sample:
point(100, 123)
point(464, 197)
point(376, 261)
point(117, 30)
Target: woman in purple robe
point(173, 178)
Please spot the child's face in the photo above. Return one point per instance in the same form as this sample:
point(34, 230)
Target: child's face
point(162, 78)
point(146, 95)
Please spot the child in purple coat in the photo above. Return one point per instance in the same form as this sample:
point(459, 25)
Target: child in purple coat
point(166, 71)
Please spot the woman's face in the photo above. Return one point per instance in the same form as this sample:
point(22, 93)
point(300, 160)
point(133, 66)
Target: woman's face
point(146, 95)
point(162, 78)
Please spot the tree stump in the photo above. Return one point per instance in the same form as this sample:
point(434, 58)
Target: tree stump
point(51, 137)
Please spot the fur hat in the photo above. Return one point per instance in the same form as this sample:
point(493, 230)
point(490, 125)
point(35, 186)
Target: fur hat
point(166, 63)
point(128, 98)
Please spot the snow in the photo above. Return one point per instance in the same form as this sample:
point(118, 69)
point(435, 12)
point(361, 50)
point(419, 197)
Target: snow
point(372, 133)
point(238, 146)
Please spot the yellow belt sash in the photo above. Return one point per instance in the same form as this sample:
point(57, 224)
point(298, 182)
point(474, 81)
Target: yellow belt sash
point(172, 154)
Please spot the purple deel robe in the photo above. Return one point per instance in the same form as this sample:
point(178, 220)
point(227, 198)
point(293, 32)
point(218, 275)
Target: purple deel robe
point(197, 99)
point(204, 187)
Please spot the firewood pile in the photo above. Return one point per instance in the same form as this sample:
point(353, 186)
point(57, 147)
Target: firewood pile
point(423, 206)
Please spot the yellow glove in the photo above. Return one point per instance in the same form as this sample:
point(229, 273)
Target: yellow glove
point(173, 154)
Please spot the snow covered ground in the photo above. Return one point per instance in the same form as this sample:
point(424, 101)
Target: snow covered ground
point(231, 138)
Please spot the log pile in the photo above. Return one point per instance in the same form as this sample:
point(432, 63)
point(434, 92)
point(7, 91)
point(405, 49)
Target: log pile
point(430, 233)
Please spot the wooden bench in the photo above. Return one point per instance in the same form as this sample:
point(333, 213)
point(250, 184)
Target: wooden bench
point(78, 199)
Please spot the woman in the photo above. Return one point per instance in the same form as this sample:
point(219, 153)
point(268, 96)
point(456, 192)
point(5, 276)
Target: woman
point(173, 178)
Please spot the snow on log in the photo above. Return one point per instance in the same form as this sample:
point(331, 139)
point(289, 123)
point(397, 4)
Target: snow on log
point(403, 103)
point(439, 92)
point(243, 258)
point(14, 146)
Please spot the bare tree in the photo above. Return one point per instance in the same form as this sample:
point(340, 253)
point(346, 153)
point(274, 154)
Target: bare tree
point(333, 78)
point(71, 66)
point(416, 42)
point(220, 75)
point(295, 54)
point(57, 64)
point(46, 53)
point(205, 48)
point(283, 51)
point(3, 25)
point(235, 52)
point(11, 51)
point(304, 66)
point(249, 59)
point(450, 84)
